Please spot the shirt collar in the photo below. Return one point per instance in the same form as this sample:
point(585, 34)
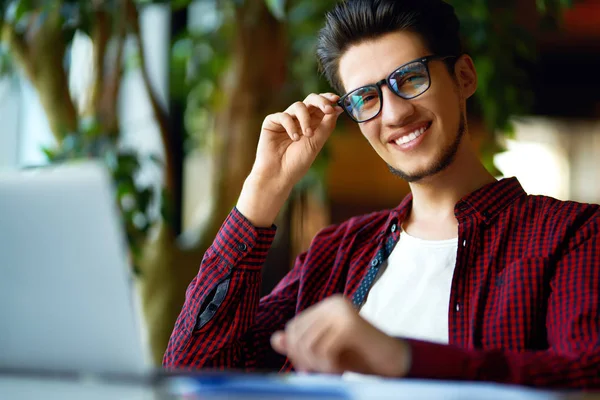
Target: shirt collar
point(486, 202)
point(397, 215)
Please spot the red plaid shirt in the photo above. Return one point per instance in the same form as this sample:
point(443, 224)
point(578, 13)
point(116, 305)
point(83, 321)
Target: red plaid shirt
point(524, 303)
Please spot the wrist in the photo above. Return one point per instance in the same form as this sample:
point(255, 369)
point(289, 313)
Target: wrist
point(405, 359)
point(398, 359)
point(261, 200)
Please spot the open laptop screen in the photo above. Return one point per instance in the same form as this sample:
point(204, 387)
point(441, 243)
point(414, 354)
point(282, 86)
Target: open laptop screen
point(66, 298)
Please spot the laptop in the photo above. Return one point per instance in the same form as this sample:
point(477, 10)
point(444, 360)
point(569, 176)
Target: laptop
point(66, 297)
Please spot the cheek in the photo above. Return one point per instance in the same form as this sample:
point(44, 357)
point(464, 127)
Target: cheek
point(370, 132)
point(448, 109)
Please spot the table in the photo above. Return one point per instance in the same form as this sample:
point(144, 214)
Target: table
point(51, 388)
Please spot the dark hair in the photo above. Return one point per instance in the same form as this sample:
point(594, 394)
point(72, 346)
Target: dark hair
point(354, 21)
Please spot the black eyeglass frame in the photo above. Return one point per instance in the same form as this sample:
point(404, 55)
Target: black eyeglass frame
point(423, 60)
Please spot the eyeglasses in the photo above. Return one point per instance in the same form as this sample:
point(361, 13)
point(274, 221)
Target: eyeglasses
point(408, 81)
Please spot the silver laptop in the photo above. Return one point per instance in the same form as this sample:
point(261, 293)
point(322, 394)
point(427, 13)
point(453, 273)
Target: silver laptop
point(66, 297)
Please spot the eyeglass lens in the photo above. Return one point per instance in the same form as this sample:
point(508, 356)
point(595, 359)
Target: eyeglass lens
point(408, 82)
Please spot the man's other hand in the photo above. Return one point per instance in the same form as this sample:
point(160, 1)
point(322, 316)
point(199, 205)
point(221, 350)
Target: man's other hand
point(331, 337)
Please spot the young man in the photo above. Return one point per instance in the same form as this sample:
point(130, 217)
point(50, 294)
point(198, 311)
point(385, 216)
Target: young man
point(468, 278)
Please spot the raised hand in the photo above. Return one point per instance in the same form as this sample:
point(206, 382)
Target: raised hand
point(288, 145)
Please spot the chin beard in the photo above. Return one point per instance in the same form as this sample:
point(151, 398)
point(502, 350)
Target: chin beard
point(441, 163)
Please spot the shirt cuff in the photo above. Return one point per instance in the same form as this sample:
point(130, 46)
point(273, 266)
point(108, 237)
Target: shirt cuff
point(438, 361)
point(242, 245)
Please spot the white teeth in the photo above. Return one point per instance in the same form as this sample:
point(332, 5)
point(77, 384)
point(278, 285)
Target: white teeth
point(410, 137)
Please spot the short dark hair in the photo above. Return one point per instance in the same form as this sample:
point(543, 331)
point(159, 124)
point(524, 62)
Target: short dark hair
point(354, 21)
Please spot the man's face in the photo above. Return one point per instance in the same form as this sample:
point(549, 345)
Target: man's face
point(435, 117)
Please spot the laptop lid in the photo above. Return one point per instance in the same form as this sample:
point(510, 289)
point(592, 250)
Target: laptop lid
point(66, 291)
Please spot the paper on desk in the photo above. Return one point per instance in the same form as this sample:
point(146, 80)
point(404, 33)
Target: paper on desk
point(367, 387)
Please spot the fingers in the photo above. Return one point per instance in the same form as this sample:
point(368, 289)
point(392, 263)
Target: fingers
point(311, 339)
point(327, 350)
point(289, 124)
point(311, 112)
point(279, 342)
point(326, 102)
point(311, 348)
point(300, 111)
point(317, 114)
point(302, 334)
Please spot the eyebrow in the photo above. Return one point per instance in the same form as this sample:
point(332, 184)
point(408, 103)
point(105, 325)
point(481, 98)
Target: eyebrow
point(387, 75)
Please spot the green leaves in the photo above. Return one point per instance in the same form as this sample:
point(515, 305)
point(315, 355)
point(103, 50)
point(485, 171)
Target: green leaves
point(15, 13)
point(175, 4)
point(545, 6)
point(501, 50)
point(20, 10)
point(6, 64)
point(277, 8)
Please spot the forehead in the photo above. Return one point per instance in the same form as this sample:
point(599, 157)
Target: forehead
point(372, 60)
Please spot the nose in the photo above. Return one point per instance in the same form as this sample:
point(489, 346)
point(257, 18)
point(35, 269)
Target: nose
point(395, 109)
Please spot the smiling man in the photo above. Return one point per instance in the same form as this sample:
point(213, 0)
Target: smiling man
point(468, 278)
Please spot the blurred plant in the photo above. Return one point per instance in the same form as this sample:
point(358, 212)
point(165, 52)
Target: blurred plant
point(38, 35)
point(202, 54)
point(501, 46)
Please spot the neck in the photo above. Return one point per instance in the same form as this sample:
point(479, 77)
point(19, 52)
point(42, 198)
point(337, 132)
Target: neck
point(434, 197)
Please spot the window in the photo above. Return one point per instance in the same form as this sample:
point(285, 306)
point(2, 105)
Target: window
point(9, 115)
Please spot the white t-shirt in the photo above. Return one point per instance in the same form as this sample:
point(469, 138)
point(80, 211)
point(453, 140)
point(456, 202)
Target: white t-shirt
point(411, 295)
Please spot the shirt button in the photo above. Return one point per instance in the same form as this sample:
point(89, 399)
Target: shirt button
point(457, 307)
point(394, 227)
point(465, 243)
point(374, 262)
point(242, 247)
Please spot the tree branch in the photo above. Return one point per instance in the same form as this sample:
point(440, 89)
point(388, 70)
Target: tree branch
point(100, 36)
point(160, 113)
point(40, 52)
point(109, 82)
point(258, 70)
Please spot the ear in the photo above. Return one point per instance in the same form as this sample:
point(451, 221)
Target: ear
point(466, 75)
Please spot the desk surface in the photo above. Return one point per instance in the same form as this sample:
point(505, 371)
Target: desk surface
point(24, 388)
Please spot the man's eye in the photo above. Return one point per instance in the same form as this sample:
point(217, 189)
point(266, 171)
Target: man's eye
point(369, 97)
point(413, 80)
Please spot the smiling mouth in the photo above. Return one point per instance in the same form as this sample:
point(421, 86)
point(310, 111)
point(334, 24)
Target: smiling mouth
point(403, 140)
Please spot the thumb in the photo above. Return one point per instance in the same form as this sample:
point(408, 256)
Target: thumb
point(278, 342)
point(330, 120)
